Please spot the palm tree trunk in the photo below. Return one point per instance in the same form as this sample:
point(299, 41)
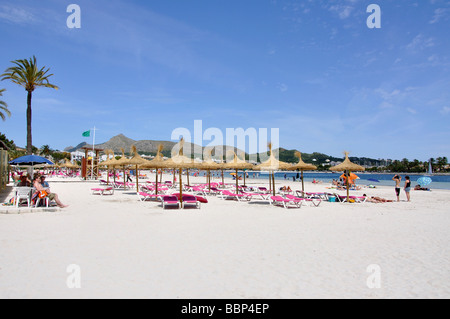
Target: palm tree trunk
point(29, 137)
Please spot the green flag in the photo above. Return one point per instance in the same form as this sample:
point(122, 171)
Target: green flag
point(87, 133)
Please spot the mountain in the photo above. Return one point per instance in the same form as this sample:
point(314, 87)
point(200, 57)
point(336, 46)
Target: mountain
point(150, 147)
point(147, 147)
point(71, 149)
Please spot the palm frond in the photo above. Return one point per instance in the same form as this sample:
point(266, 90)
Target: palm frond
point(26, 73)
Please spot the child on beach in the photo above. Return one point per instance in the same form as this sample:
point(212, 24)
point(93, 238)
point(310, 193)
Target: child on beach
point(397, 179)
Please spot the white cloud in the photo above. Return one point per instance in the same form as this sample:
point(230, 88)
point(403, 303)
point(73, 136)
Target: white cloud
point(445, 110)
point(439, 14)
point(282, 87)
point(343, 11)
point(412, 111)
point(15, 14)
point(420, 42)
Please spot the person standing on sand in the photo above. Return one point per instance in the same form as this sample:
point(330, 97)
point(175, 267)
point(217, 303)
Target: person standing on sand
point(397, 179)
point(408, 188)
point(129, 177)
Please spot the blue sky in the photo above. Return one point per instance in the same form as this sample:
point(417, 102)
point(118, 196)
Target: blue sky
point(311, 68)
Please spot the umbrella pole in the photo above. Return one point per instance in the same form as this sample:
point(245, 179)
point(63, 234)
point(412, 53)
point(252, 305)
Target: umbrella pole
point(244, 177)
point(273, 179)
point(137, 180)
point(237, 182)
point(156, 192)
point(107, 176)
point(187, 174)
point(173, 173)
point(181, 189)
point(124, 181)
point(348, 190)
point(223, 180)
point(114, 171)
point(209, 180)
point(303, 183)
point(270, 182)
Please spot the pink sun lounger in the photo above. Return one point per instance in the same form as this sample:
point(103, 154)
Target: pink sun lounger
point(286, 203)
point(102, 191)
point(170, 200)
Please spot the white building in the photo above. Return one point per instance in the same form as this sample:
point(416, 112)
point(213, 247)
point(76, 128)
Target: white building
point(78, 156)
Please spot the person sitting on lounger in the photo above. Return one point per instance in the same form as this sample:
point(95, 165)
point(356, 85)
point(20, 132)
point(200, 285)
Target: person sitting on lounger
point(44, 183)
point(24, 181)
point(286, 189)
point(39, 188)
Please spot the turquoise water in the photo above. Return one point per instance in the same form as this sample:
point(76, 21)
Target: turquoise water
point(439, 181)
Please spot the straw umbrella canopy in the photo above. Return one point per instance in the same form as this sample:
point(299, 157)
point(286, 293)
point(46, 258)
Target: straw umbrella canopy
point(123, 161)
point(209, 165)
point(111, 163)
point(272, 165)
point(68, 164)
point(108, 163)
point(136, 160)
point(157, 162)
point(348, 167)
point(180, 162)
point(237, 164)
point(302, 166)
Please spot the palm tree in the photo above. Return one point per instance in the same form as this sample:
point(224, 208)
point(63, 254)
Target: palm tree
point(45, 150)
point(26, 73)
point(3, 107)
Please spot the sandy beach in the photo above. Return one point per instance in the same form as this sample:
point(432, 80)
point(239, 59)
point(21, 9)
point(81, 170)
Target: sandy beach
point(227, 249)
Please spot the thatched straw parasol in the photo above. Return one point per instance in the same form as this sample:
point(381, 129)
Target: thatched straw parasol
point(136, 160)
point(302, 166)
point(180, 162)
point(237, 164)
point(123, 161)
point(272, 165)
point(69, 164)
point(108, 163)
point(209, 165)
point(348, 167)
point(156, 163)
point(113, 162)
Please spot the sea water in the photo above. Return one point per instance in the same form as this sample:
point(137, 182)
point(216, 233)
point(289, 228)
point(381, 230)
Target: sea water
point(439, 181)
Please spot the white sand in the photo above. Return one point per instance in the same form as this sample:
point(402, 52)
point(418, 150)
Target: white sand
point(131, 249)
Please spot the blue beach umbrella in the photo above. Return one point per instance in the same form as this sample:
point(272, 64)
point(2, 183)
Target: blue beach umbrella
point(424, 181)
point(30, 160)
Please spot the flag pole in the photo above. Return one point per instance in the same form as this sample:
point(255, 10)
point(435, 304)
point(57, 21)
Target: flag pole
point(93, 154)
